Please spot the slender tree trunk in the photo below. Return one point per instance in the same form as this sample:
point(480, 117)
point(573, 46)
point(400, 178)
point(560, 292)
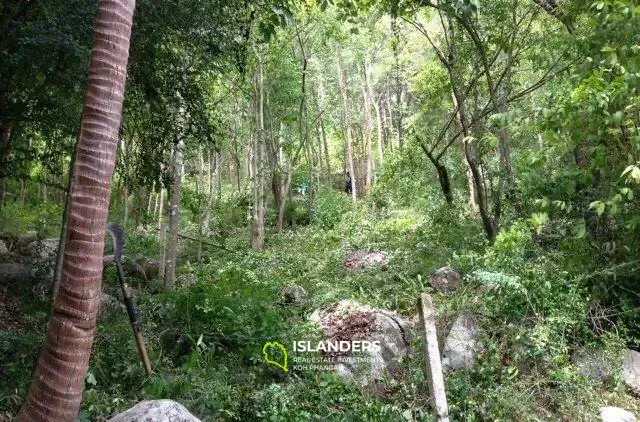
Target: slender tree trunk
point(327, 155)
point(323, 132)
point(174, 218)
point(162, 234)
point(342, 77)
point(380, 130)
point(5, 149)
point(62, 244)
point(56, 392)
point(257, 217)
point(391, 123)
point(368, 127)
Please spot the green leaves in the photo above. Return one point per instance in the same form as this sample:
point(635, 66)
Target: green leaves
point(598, 207)
point(632, 173)
point(537, 220)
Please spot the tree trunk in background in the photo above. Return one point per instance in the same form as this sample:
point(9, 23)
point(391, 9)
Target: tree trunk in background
point(218, 173)
point(342, 77)
point(174, 218)
point(62, 243)
point(368, 127)
point(391, 122)
point(327, 156)
point(257, 212)
point(323, 133)
point(380, 130)
point(5, 149)
point(162, 234)
point(56, 392)
point(201, 193)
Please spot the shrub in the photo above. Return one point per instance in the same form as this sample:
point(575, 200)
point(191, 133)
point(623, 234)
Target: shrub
point(329, 207)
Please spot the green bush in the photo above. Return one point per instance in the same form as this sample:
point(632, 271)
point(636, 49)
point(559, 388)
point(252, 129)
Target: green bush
point(329, 207)
point(234, 311)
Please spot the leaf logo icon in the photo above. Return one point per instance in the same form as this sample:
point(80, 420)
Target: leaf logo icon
point(269, 349)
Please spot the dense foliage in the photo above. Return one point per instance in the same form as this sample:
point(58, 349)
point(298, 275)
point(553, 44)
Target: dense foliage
point(498, 138)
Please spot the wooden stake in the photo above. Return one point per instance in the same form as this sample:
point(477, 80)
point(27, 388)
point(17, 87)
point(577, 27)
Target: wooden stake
point(432, 357)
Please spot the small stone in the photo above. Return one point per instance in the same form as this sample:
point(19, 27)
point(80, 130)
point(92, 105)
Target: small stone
point(445, 280)
point(186, 280)
point(293, 293)
point(616, 414)
point(3, 248)
point(367, 260)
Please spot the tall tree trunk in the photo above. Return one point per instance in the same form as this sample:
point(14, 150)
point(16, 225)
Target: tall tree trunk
point(342, 77)
point(56, 392)
point(174, 218)
point(62, 243)
point(368, 127)
point(380, 129)
point(5, 149)
point(257, 216)
point(323, 132)
point(327, 156)
point(162, 234)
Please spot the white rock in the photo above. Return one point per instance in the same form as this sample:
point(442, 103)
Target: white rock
point(461, 345)
point(631, 370)
point(615, 414)
point(349, 320)
point(3, 248)
point(156, 411)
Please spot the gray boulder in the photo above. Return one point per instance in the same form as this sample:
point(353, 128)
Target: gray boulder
point(631, 370)
point(41, 256)
point(351, 321)
point(592, 364)
point(445, 280)
point(109, 306)
point(368, 260)
point(156, 411)
point(12, 273)
point(186, 280)
point(461, 345)
point(616, 414)
point(25, 239)
point(132, 269)
point(3, 248)
point(292, 293)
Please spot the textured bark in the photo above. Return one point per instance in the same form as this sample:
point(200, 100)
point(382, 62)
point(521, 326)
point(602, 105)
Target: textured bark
point(56, 392)
point(174, 219)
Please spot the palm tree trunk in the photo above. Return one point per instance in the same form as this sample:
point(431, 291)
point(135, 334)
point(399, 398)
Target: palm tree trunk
point(56, 392)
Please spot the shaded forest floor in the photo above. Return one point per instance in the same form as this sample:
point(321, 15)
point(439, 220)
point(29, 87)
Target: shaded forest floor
point(205, 339)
